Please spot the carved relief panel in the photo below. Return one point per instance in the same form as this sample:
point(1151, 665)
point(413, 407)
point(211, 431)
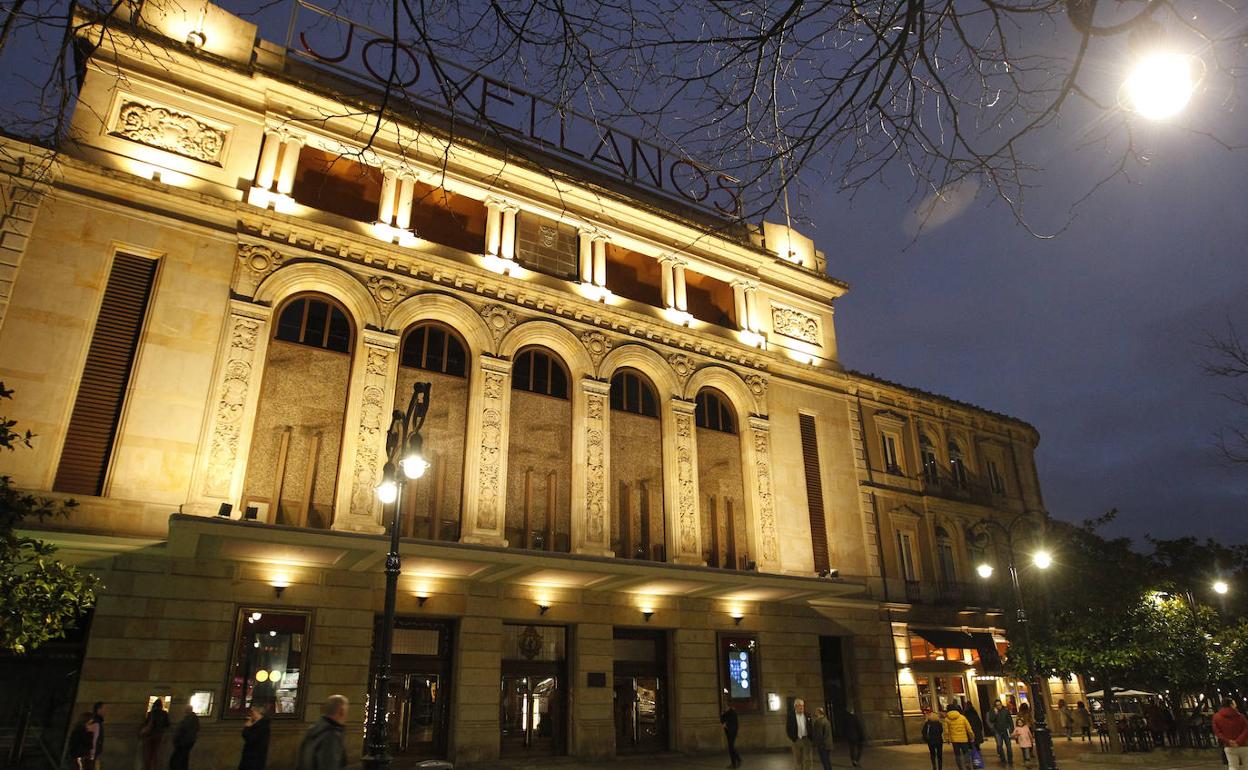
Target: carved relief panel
point(596, 533)
point(764, 501)
point(237, 387)
point(368, 422)
point(171, 130)
point(485, 478)
point(688, 533)
point(795, 324)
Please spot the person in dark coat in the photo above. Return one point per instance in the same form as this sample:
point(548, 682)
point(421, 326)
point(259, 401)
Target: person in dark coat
point(81, 741)
point(731, 726)
point(184, 737)
point(934, 736)
point(821, 738)
point(798, 728)
point(152, 733)
point(255, 739)
point(98, 712)
point(853, 734)
point(323, 747)
point(1002, 725)
point(977, 724)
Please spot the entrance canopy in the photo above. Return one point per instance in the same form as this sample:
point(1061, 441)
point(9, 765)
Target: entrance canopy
point(979, 641)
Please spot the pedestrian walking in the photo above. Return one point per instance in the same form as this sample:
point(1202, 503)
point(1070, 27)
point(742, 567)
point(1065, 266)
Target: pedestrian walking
point(853, 734)
point(798, 728)
point(960, 736)
point(821, 738)
point(152, 734)
point(1003, 732)
point(255, 738)
point(1022, 734)
point(731, 725)
point(1064, 719)
point(81, 741)
point(1083, 720)
point(1024, 713)
point(98, 711)
point(322, 747)
point(977, 724)
point(184, 737)
point(934, 736)
point(1231, 729)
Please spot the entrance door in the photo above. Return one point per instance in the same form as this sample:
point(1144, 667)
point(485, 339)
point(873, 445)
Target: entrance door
point(987, 693)
point(640, 714)
point(417, 711)
point(531, 718)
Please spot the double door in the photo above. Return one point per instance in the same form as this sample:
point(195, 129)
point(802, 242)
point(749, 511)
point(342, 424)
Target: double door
point(418, 715)
point(640, 712)
point(532, 718)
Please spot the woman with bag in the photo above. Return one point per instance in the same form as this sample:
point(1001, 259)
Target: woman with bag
point(958, 733)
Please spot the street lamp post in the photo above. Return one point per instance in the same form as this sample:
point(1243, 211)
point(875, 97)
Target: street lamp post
point(1042, 559)
point(404, 448)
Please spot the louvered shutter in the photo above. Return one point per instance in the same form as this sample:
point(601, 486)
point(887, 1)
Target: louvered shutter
point(105, 377)
point(814, 491)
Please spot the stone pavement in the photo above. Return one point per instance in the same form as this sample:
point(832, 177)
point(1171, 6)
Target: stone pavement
point(1076, 755)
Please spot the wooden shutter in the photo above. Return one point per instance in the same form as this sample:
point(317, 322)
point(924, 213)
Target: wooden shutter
point(814, 491)
point(105, 377)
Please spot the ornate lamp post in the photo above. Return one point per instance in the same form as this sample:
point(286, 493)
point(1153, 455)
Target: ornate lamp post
point(404, 448)
point(1041, 559)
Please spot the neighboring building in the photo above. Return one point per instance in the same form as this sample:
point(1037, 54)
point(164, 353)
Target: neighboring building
point(654, 489)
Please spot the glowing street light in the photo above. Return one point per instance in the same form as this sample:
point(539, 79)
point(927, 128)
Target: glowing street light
point(1160, 84)
point(1220, 587)
point(984, 570)
point(1042, 559)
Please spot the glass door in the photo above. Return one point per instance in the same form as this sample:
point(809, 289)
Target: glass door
point(417, 710)
point(640, 714)
point(530, 714)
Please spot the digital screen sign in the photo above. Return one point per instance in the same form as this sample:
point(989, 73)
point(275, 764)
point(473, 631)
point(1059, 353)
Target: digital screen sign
point(739, 674)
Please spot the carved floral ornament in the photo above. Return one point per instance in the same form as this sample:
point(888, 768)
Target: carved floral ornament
point(795, 324)
point(258, 259)
point(597, 345)
point(386, 290)
point(499, 319)
point(682, 365)
point(757, 385)
point(170, 130)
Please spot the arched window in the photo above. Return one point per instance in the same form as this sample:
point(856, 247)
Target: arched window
point(630, 392)
point(315, 322)
point(931, 469)
point(435, 349)
point(957, 465)
point(944, 557)
point(711, 411)
point(539, 372)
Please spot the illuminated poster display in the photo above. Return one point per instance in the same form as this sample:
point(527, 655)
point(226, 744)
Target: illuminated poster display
point(739, 671)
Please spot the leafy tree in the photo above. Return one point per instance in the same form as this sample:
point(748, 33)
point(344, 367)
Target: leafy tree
point(40, 597)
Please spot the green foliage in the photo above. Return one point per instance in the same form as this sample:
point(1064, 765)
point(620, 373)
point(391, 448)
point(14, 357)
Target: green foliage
point(40, 597)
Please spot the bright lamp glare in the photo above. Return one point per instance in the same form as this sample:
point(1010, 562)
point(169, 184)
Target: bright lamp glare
point(1160, 85)
point(1042, 559)
point(1221, 587)
point(414, 466)
point(984, 570)
point(387, 492)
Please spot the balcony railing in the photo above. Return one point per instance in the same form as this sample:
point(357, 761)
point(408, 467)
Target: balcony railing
point(914, 591)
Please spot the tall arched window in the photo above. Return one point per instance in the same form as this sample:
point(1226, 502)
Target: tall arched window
point(637, 527)
point(630, 392)
point(435, 354)
point(539, 454)
point(721, 485)
point(712, 412)
point(537, 371)
point(944, 557)
point(292, 469)
point(931, 468)
point(957, 465)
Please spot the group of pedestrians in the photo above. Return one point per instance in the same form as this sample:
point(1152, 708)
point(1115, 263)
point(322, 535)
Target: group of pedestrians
point(322, 747)
point(811, 737)
point(965, 731)
point(1069, 720)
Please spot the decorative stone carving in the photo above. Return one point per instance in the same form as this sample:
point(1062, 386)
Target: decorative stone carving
point(595, 467)
point(682, 365)
point(597, 345)
point(757, 385)
point(175, 132)
point(795, 324)
point(549, 235)
point(686, 489)
point(386, 290)
point(370, 430)
point(499, 319)
point(489, 470)
point(766, 505)
point(231, 403)
point(255, 262)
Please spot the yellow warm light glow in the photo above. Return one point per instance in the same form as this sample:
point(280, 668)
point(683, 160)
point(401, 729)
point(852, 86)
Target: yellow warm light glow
point(498, 264)
point(1221, 587)
point(753, 339)
point(1042, 559)
point(984, 570)
point(594, 293)
point(1160, 84)
point(678, 317)
point(280, 580)
point(802, 357)
point(905, 676)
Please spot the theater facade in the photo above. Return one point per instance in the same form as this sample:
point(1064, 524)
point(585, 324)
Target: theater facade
point(654, 489)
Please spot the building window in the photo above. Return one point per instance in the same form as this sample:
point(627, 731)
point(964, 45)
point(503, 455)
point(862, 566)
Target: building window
point(931, 468)
point(434, 349)
point(630, 392)
point(814, 491)
point(905, 553)
point(711, 412)
point(269, 662)
point(944, 557)
point(547, 246)
point(957, 465)
point(634, 275)
point(106, 374)
point(537, 371)
point(316, 323)
point(710, 299)
point(995, 478)
point(739, 670)
point(892, 462)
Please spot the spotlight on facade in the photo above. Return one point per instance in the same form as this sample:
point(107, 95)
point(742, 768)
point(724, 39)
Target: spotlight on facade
point(196, 38)
point(1221, 587)
point(1042, 559)
point(984, 570)
point(280, 583)
point(737, 617)
point(542, 609)
point(225, 510)
point(647, 613)
point(421, 598)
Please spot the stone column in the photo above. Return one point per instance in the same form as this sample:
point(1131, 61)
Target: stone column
point(738, 299)
point(403, 214)
point(680, 494)
point(266, 171)
point(682, 302)
point(668, 281)
point(695, 694)
point(374, 373)
point(289, 163)
point(591, 470)
point(507, 247)
point(485, 453)
point(478, 671)
point(751, 308)
point(493, 225)
point(385, 206)
point(592, 721)
point(600, 260)
point(223, 466)
point(585, 253)
point(766, 545)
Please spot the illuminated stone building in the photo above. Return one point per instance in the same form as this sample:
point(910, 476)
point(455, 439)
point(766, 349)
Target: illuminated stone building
point(653, 489)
